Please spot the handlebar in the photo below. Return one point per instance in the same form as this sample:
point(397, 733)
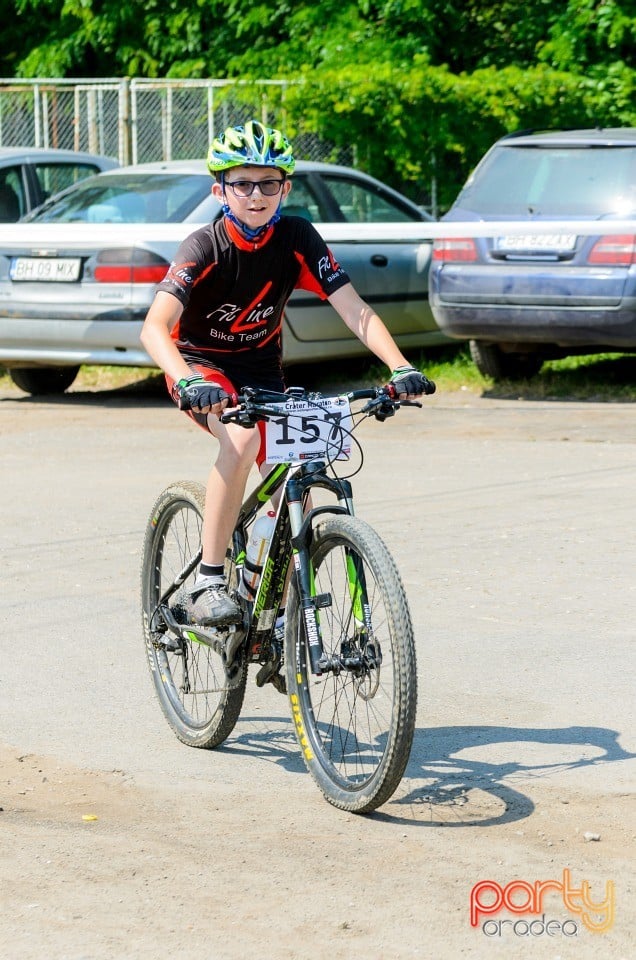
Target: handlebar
point(255, 404)
point(250, 405)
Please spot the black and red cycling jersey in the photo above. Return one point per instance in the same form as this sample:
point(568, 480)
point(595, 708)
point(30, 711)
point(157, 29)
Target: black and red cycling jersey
point(234, 292)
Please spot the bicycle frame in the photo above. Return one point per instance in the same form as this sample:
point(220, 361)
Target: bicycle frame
point(291, 539)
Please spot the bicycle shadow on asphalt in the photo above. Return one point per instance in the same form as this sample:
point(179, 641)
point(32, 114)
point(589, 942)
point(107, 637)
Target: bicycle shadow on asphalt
point(266, 738)
point(444, 786)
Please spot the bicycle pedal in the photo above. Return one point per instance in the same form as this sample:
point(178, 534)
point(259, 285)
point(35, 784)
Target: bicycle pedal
point(267, 671)
point(279, 682)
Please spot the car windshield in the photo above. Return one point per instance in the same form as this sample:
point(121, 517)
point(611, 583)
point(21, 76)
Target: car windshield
point(140, 198)
point(552, 182)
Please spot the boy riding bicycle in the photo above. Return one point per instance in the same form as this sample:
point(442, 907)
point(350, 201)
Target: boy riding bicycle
point(215, 325)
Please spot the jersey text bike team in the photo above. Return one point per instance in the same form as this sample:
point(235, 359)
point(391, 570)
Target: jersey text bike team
point(214, 326)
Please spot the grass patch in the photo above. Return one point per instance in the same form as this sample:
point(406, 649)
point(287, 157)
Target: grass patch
point(601, 378)
point(605, 377)
point(93, 378)
point(110, 378)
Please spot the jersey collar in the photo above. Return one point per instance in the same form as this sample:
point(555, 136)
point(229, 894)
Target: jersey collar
point(242, 242)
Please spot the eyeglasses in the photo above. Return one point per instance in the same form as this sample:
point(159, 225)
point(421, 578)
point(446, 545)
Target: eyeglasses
point(245, 188)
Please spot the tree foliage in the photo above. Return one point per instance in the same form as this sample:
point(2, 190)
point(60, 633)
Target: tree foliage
point(417, 87)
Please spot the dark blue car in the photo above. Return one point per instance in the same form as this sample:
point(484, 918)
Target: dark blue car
point(524, 298)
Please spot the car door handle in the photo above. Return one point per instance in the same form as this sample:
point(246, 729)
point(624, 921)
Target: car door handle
point(379, 260)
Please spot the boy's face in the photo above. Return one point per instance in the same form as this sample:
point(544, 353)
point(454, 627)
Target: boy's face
point(258, 207)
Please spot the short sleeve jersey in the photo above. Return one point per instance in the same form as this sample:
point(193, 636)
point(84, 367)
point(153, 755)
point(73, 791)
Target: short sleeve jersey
point(234, 292)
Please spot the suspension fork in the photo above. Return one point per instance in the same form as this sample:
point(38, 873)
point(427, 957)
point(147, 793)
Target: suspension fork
point(355, 574)
point(358, 592)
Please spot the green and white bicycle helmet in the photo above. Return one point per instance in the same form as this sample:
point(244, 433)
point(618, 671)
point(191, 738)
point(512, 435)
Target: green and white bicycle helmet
point(252, 144)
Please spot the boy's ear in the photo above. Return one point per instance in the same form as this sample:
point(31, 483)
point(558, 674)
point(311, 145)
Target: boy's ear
point(217, 191)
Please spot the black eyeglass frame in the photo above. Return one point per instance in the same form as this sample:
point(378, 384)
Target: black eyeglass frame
point(232, 184)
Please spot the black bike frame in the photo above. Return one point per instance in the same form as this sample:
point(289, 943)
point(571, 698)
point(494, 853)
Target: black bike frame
point(291, 538)
point(298, 481)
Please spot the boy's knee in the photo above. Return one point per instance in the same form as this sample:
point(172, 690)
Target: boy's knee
point(244, 449)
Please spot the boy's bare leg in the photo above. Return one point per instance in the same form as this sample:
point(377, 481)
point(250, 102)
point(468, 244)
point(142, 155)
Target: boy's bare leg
point(225, 490)
point(210, 604)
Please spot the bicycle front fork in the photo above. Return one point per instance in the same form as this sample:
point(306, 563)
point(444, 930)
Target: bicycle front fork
point(312, 602)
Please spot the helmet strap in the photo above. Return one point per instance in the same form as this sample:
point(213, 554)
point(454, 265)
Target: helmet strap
point(250, 233)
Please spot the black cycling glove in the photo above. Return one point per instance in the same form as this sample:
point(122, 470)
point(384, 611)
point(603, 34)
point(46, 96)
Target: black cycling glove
point(196, 393)
point(410, 381)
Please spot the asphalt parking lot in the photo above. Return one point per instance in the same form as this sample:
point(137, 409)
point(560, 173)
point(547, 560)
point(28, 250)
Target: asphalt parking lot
point(511, 523)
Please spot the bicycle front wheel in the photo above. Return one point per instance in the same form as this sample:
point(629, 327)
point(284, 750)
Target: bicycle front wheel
point(355, 721)
point(196, 696)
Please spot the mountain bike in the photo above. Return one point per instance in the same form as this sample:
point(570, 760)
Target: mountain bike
point(346, 656)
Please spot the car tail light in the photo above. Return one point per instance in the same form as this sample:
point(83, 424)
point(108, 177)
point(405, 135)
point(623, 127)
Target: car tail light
point(129, 265)
point(458, 249)
point(618, 250)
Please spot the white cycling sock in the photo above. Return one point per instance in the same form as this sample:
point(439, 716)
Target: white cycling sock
point(203, 581)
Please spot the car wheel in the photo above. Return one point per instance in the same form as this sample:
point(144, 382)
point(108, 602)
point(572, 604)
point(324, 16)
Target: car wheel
point(492, 361)
point(41, 380)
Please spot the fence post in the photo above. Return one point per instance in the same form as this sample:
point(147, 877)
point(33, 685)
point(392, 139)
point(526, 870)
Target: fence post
point(124, 123)
point(167, 126)
point(210, 117)
point(91, 121)
point(36, 115)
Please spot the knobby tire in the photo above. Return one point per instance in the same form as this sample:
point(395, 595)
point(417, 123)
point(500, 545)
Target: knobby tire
point(355, 731)
point(197, 700)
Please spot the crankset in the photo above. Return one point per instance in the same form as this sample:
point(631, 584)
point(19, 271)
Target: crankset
point(226, 640)
point(270, 670)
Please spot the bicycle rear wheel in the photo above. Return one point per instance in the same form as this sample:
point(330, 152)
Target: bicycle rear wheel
point(355, 723)
point(197, 698)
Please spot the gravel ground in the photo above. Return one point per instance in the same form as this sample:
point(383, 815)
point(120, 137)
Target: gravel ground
point(511, 523)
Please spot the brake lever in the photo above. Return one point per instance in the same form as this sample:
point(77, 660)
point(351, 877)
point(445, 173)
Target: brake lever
point(381, 407)
point(237, 415)
point(378, 401)
point(385, 405)
point(246, 415)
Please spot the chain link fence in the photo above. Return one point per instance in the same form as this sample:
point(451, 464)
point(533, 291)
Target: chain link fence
point(139, 120)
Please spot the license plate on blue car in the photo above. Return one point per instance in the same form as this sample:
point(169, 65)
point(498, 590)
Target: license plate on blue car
point(536, 241)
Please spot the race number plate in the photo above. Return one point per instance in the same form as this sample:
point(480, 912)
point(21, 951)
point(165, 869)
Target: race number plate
point(309, 430)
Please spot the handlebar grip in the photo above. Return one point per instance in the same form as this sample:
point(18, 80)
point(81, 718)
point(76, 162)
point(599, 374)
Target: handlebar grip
point(184, 402)
point(429, 388)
